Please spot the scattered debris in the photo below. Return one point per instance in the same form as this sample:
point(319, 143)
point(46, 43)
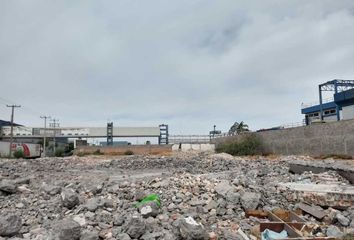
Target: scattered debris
point(335, 195)
point(317, 212)
point(190, 229)
point(196, 196)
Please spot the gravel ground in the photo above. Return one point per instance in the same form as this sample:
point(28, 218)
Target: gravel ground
point(203, 196)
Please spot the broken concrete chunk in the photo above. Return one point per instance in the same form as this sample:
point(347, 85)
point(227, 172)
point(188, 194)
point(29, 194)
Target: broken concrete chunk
point(66, 229)
point(333, 231)
point(317, 212)
point(123, 236)
point(233, 197)
point(118, 220)
point(69, 198)
point(150, 209)
point(342, 220)
point(332, 195)
point(89, 235)
point(80, 219)
point(223, 188)
point(250, 200)
point(92, 204)
point(189, 229)
point(10, 225)
point(51, 189)
point(8, 186)
point(135, 227)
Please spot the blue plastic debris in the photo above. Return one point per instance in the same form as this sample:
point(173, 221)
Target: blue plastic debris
point(271, 235)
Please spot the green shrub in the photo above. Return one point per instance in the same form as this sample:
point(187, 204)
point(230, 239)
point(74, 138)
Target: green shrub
point(19, 154)
point(69, 148)
point(249, 144)
point(59, 152)
point(129, 152)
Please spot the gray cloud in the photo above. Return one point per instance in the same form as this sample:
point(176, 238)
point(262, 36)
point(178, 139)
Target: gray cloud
point(191, 64)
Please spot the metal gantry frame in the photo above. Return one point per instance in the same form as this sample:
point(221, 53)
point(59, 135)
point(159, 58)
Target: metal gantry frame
point(163, 139)
point(110, 134)
point(336, 86)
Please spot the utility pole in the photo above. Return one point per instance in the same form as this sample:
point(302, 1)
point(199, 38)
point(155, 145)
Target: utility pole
point(12, 125)
point(45, 134)
point(54, 124)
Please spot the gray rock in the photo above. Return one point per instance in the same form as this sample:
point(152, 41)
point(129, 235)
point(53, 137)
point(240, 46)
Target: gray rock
point(104, 217)
point(139, 195)
point(8, 186)
point(150, 209)
point(69, 198)
point(197, 202)
point(66, 229)
point(95, 189)
point(51, 189)
point(342, 220)
point(212, 205)
point(89, 235)
point(24, 180)
point(189, 229)
point(135, 227)
point(223, 188)
point(228, 234)
point(123, 236)
point(250, 200)
point(333, 231)
point(152, 236)
point(10, 225)
point(91, 204)
point(168, 235)
point(108, 203)
point(118, 219)
point(80, 219)
point(233, 197)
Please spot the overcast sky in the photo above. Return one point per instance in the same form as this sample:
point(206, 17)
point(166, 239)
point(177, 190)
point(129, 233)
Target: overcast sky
point(187, 63)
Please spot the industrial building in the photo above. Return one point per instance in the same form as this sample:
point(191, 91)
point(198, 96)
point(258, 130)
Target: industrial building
point(339, 107)
point(22, 133)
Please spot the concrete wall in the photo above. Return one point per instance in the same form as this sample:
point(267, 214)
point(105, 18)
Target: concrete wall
point(120, 150)
point(316, 139)
point(200, 147)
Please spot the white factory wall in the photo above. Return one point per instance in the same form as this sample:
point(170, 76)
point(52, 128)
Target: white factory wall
point(199, 147)
point(348, 112)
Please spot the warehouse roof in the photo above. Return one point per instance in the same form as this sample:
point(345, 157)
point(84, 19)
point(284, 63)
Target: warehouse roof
point(7, 123)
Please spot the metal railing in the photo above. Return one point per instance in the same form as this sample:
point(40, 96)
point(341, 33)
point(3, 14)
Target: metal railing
point(188, 139)
point(311, 104)
point(294, 125)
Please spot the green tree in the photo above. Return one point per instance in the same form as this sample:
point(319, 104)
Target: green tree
point(238, 128)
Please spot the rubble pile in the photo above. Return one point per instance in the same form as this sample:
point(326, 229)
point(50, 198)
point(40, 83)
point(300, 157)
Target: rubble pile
point(184, 196)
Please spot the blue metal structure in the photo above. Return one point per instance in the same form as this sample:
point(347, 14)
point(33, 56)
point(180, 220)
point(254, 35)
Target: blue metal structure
point(345, 98)
point(336, 86)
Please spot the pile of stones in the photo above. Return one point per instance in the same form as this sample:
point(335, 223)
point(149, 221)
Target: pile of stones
point(203, 196)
